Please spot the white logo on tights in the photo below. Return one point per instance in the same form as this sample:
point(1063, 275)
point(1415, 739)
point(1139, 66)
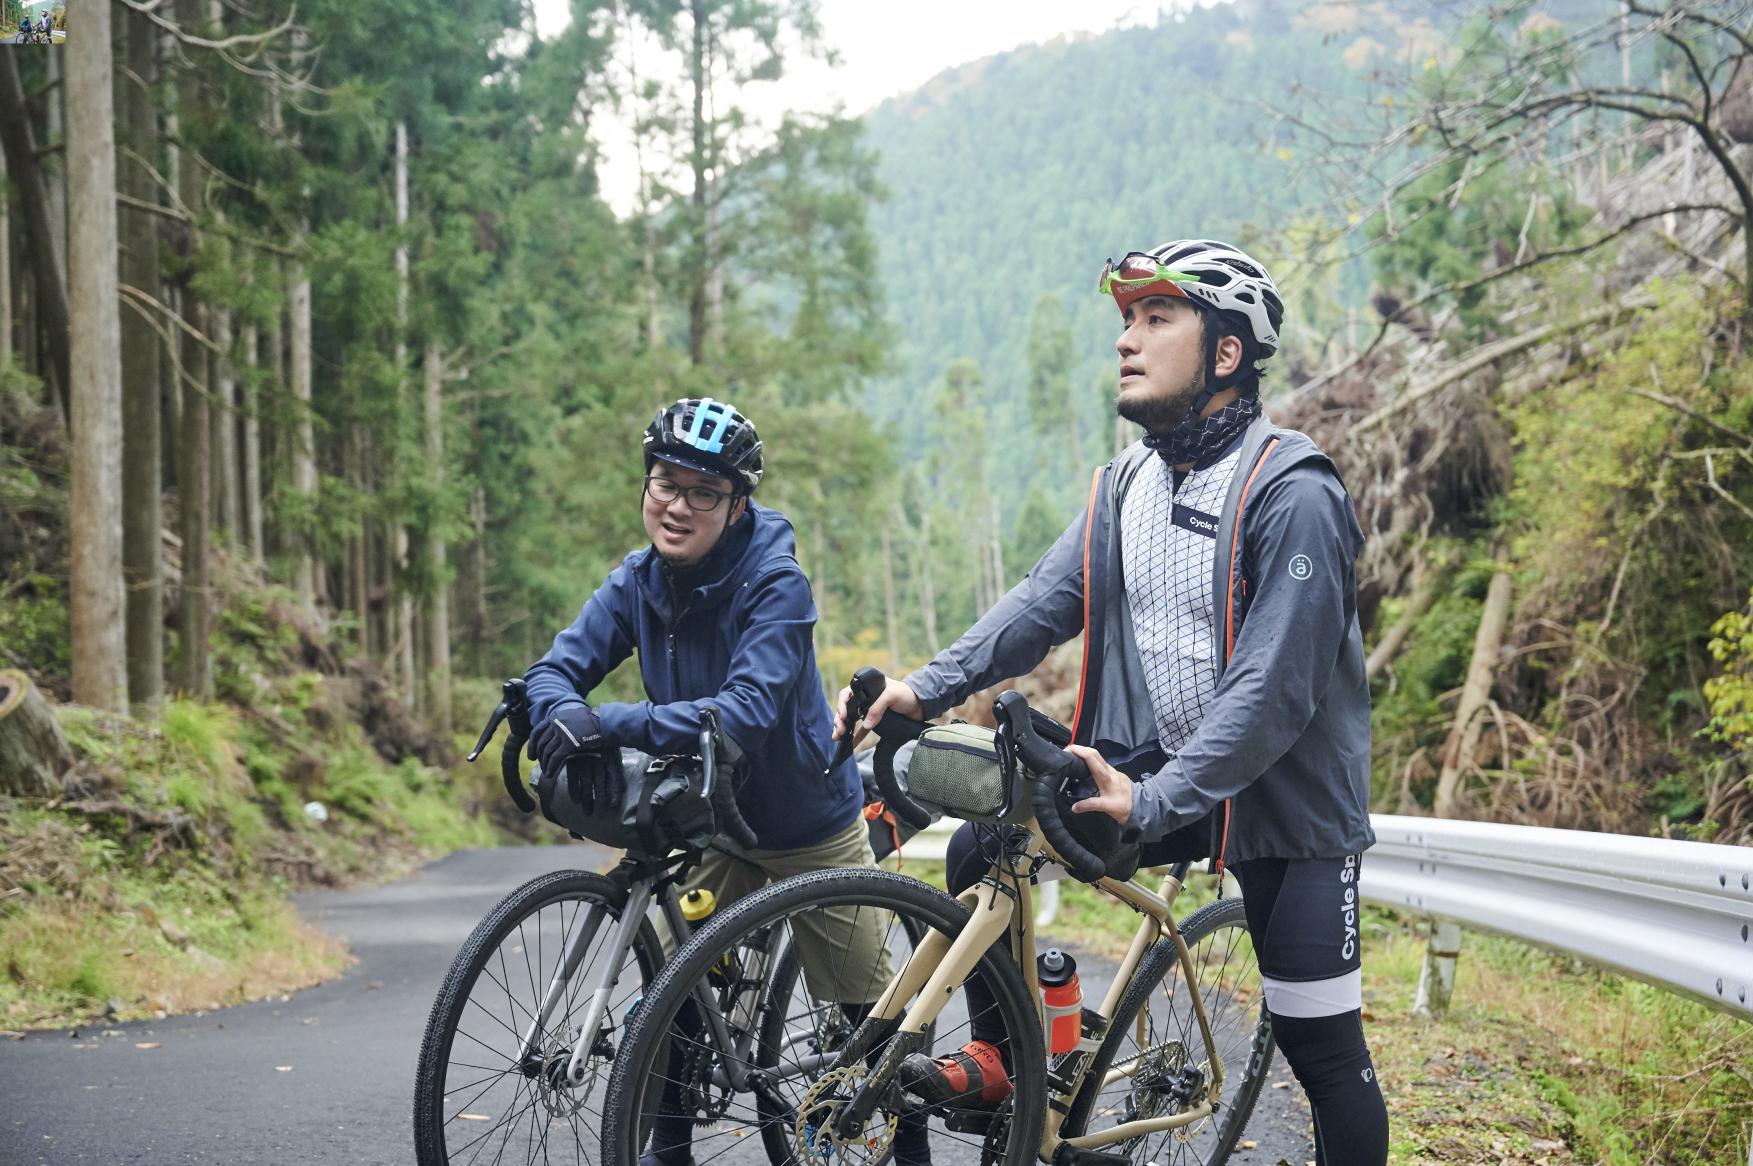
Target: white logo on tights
point(1368, 1073)
point(1348, 908)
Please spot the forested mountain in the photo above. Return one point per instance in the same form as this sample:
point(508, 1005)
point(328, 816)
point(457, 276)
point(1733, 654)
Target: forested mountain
point(1011, 178)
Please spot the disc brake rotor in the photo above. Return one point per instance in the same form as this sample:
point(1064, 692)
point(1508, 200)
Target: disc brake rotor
point(814, 1135)
point(561, 1096)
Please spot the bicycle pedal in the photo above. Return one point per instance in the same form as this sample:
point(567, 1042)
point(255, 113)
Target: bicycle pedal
point(967, 1121)
point(1070, 1155)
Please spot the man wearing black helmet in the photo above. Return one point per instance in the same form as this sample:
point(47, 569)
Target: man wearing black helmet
point(720, 613)
point(1223, 709)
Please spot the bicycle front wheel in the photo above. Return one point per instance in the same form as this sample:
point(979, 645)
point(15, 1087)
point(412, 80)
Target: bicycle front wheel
point(1157, 1056)
point(492, 1085)
point(800, 1075)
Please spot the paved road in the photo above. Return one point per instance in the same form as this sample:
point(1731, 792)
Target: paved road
point(325, 1077)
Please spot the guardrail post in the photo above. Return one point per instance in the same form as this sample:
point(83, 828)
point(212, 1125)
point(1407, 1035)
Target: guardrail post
point(1436, 983)
point(1047, 907)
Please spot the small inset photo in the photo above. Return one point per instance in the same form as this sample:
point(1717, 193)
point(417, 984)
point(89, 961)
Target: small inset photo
point(34, 22)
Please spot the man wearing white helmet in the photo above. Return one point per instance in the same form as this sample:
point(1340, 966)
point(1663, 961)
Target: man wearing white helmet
point(1223, 708)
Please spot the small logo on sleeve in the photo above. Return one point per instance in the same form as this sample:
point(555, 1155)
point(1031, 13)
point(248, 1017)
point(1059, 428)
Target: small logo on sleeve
point(1301, 567)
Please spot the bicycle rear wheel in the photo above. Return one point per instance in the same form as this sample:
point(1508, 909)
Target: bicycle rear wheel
point(1156, 1042)
point(799, 1083)
point(481, 1093)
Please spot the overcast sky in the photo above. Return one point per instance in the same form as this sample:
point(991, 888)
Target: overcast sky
point(886, 47)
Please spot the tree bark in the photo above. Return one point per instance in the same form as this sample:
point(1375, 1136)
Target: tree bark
point(55, 132)
point(304, 467)
point(5, 266)
point(359, 546)
point(142, 410)
point(403, 599)
point(304, 463)
point(252, 446)
point(194, 485)
point(697, 159)
point(818, 572)
point(927, 590)
point(195, 498)
point(438, 612)
point(33, 751)
point(100, 677)
point(227, 507)
point(997, 551)
point(50, 303)
point(1464, 733)
point(891, 622)
point(476, 590)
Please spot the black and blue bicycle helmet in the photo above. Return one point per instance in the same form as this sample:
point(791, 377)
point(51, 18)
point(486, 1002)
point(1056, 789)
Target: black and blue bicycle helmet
point(710, 436)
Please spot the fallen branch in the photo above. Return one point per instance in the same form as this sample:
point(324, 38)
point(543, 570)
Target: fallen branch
point(1489, 354)
point(1464, 733)
point(172, 822)
point(1423, 595)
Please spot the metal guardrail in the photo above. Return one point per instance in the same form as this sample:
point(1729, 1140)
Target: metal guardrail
point(1677, 914)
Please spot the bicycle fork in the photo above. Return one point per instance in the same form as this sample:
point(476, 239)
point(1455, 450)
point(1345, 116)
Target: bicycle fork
point(938, 967)
point(597, 1008)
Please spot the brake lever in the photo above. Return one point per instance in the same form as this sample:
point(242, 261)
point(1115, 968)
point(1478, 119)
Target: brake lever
point(867, 684)
point(487, 733)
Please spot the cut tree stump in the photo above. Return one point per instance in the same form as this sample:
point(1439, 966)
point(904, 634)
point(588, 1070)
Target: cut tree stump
point(33, 752)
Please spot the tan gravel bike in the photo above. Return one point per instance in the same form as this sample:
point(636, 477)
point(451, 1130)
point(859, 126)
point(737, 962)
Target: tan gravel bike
point(1171, 1057)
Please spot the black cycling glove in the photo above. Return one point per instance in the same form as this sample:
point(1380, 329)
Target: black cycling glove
point(572, 730)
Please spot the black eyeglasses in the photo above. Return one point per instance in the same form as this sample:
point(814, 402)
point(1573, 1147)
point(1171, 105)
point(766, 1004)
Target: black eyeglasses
point(701, 498)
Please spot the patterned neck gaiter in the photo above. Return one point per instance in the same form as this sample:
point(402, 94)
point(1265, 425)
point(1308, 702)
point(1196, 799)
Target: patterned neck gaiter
point(1198, 439)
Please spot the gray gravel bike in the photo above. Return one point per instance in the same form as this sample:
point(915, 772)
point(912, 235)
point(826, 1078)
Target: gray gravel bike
point(535, 1007)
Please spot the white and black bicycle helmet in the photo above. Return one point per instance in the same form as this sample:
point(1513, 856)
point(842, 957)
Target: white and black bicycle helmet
point(1217, 275)
point(702, 434)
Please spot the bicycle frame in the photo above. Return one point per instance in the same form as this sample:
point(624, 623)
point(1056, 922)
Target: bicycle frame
point(939, 965)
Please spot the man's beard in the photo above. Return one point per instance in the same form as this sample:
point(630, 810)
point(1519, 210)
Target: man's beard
point(1159, 413)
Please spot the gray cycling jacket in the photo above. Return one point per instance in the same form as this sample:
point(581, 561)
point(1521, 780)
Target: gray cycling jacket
point(1282, 753)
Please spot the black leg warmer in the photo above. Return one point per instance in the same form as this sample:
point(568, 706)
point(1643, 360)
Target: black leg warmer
point(1329, 1056)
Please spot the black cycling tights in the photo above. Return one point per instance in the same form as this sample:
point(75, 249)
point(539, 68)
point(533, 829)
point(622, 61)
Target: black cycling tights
point(1330, 1059)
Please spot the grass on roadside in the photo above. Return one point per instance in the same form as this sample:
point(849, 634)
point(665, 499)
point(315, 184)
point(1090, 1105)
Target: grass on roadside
point(160, 886)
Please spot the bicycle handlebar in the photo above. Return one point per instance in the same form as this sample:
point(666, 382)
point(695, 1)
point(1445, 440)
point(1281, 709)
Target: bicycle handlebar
point(514, 705)
point(1050, 770)
point(721, 796)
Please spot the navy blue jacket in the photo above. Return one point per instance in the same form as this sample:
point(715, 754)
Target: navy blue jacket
point(739, 639)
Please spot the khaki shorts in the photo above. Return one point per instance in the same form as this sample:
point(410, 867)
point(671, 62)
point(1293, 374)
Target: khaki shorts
point(845, 959)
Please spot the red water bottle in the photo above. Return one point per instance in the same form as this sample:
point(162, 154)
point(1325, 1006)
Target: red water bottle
point(1063, 996)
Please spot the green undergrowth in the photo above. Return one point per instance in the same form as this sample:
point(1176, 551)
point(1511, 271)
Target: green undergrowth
point(1543, 1060)
point(159, 882)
